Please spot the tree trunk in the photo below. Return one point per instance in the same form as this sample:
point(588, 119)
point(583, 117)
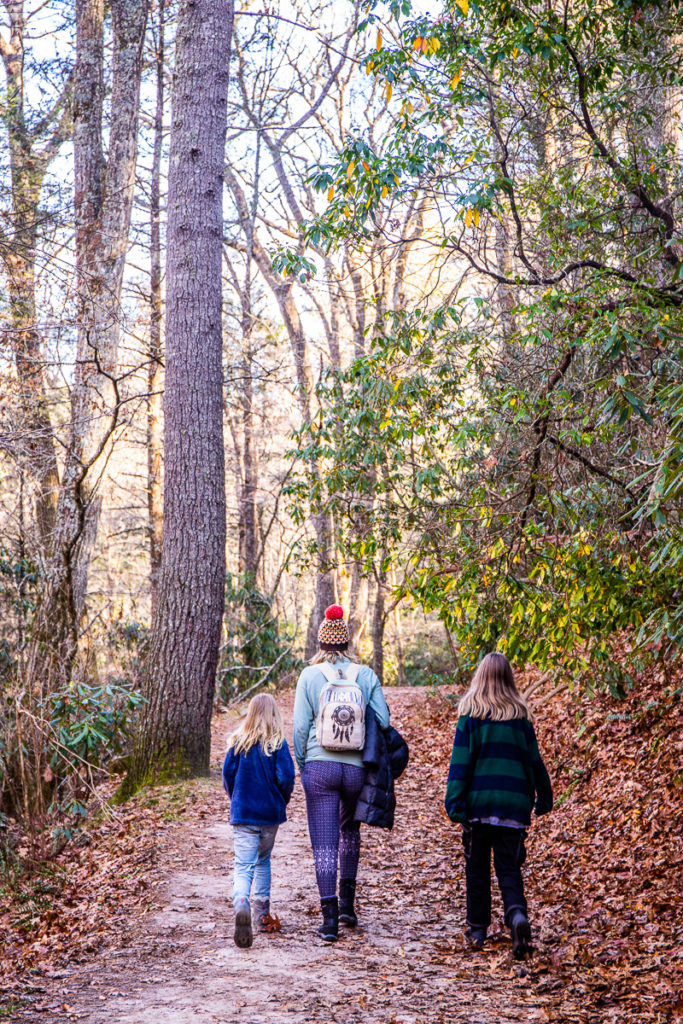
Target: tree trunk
point(154, 372)
point(358, 606)
point(247, 501)
point(324, 582)
point(175, 735)
point(378, 628)
point(103, 198)
point(37, 452)
point(30, 153)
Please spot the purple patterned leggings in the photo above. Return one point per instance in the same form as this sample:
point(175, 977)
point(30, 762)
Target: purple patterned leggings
point(332, 790)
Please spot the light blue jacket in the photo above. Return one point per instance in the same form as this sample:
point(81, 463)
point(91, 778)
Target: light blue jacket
point(308, 689)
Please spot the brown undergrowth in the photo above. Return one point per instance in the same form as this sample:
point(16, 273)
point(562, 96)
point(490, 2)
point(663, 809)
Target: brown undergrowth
point(126, 916)
point(605, 869)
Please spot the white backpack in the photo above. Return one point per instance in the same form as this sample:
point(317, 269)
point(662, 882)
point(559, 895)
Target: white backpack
point(341, 709)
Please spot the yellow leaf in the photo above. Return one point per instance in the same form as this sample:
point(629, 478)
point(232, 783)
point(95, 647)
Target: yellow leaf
point(515, 52)
point(456, 78)
point(417, 43)
point(330, 194)
point(349, 169)
point(435, 44)
point(379, 40)
point(396, 178)
point(464, 5)
point(468, 218)
point(368, 69)
point(385, 192)
point(424, 45)
point(366, 165)
point(475, 218)
point(389, 91)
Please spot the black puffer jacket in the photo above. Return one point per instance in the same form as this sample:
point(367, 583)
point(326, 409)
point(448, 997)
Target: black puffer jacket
point(385, 756)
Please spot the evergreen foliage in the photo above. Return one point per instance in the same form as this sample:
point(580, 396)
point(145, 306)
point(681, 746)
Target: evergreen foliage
point(515, 452)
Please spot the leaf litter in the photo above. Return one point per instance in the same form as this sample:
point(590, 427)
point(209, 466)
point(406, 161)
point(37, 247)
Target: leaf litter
point(133, 925)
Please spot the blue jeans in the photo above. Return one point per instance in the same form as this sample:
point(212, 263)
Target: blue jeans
point(253, 846)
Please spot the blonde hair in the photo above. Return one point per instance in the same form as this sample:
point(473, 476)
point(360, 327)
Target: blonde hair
point(263, 725)
point(493, 693)
point(331, 656)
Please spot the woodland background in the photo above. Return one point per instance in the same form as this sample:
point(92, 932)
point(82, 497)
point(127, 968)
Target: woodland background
point(436, 374)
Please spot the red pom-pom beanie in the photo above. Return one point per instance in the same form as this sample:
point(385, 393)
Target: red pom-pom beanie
point(333, 634)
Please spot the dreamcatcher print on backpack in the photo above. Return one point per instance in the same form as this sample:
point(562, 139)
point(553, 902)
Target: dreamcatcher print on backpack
point(341, 709)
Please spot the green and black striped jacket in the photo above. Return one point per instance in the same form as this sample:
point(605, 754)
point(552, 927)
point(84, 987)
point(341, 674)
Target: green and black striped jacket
point(496, 771)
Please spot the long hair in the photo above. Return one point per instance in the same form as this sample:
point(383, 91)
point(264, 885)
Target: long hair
point(331, 656)
point(493, 693)
point(263, 725)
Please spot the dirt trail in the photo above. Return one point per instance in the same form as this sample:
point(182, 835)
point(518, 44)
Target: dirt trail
point(407, 963)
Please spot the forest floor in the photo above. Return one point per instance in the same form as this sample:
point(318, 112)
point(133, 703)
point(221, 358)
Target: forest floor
point(134, 926)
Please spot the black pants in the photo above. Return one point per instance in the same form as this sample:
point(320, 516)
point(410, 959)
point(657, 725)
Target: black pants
point(509, 854)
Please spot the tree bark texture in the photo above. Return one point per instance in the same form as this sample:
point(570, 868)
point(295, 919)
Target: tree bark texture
point(154, 372)
point(378, 622)
point(103, 200)
point(175, 734)
point(31, 150)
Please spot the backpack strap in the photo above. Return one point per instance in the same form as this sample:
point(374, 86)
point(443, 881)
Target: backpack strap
point(331, 672)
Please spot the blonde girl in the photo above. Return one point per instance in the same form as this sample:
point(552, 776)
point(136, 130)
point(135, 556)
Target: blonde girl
point(496, 778)
point(258, 776)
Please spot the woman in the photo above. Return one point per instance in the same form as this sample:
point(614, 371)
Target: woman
point(328, 747)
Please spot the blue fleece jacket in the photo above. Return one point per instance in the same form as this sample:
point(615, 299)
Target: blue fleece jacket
point(259, 785)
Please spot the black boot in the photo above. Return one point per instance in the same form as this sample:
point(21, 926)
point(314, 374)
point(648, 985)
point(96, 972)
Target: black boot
point(347, 892)
point(476, 936)
point(329, 929)
point(520, 929)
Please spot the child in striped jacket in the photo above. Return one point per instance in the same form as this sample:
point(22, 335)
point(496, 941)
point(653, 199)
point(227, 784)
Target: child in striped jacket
point(496, 778)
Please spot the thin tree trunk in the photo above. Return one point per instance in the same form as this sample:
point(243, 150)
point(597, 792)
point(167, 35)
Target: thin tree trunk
point(175, 735)
point(358, 606)
point(30, 154)
point(154, 373)
point(378, 620)
point(324, 582)
point(103, 197)
point(247, 503)
point(248, 521)
point(37, 452)
point(398, 631)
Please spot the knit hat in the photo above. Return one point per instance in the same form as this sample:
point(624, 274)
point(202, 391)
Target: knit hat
point(333, 634)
